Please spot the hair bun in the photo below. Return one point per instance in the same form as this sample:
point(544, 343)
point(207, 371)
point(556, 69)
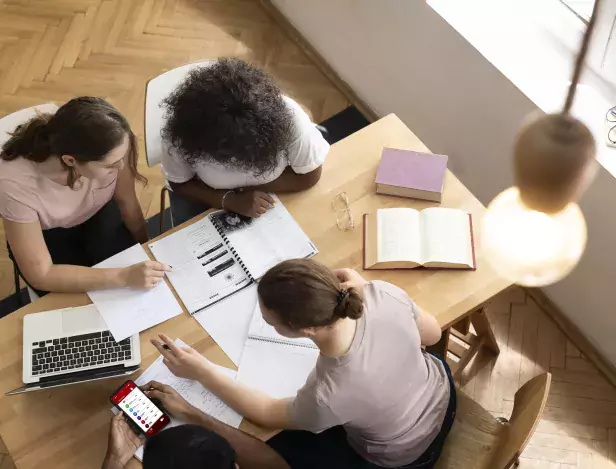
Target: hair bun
point(350, 304)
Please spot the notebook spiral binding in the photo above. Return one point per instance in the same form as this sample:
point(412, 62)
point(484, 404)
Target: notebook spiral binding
point(233, 251)
point(279, 341)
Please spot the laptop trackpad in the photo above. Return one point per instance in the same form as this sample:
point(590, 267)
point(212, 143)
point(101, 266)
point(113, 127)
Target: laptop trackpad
point(82, 320)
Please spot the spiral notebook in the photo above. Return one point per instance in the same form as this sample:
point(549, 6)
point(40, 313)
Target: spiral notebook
point(224, 252)
point(274, 364)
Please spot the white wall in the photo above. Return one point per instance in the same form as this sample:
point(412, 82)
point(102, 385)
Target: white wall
point(400, 56)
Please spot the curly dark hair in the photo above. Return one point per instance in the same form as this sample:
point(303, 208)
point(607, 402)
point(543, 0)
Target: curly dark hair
point(229, 112)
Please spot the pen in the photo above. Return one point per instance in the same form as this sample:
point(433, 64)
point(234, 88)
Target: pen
point(166, 347)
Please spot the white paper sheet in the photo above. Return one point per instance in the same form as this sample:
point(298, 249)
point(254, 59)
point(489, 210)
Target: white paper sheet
point(276, 369)
point(260, 329)
point(127, 311)
point(228, 321)
point(275, 364)
point(190, 390)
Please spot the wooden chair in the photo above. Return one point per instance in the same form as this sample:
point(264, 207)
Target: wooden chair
point(7, 125)
point(156, 90)
point(480, 441)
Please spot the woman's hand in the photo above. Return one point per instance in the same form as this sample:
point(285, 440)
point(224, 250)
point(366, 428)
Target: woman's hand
point(175, 404)
point(251, 204)
point(183, 362)
point(145, 275)
point(350, 278)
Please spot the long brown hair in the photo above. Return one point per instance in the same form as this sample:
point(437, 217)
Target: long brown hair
point(85, 128)
point(304, 293)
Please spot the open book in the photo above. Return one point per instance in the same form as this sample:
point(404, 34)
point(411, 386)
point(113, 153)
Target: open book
point(272, 363)
point(404, 238)
point(224, 252)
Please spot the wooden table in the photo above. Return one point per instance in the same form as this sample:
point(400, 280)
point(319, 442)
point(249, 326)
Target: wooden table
point(67, 427)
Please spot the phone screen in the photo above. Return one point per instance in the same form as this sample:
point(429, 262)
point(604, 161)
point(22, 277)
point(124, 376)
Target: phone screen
point(140, 409)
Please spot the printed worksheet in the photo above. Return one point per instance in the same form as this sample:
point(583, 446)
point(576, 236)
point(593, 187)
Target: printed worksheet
point(205, 270)
point(263, 242)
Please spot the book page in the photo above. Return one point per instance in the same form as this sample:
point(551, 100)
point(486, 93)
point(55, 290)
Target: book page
point(204, 268)
point(127, 311)
point(446, 236)
point(192, 391)
point(398, 235)
point(263, 242)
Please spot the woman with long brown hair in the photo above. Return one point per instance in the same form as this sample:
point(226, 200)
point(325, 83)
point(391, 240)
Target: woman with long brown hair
point(68, 201)
point(375, 398)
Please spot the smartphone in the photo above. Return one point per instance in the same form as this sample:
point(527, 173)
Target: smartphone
point(140, 409)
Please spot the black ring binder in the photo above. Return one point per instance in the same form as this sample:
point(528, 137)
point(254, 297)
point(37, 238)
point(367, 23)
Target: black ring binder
point(231, 249)
point(281, 342)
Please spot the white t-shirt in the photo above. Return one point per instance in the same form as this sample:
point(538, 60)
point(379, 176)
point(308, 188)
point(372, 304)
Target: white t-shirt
point(305, 154)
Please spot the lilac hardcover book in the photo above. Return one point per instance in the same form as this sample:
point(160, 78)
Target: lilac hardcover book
point(407, 173)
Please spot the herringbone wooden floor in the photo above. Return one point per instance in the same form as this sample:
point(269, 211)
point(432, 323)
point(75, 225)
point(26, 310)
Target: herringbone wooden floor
point(52, 50)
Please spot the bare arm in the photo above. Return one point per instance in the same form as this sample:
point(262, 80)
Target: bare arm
point(251, 203)
point(130, 210)
point(290, 181)
point(249, 402)
point(251, 453)
point(429, 328)
point(34, 261)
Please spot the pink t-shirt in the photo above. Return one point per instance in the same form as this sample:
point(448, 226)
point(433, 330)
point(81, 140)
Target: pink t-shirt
point(28, 194)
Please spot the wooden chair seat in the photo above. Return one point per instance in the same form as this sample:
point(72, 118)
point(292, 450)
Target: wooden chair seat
point(478, 441)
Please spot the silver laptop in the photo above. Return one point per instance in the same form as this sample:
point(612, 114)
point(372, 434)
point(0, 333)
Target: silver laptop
point(73, 345)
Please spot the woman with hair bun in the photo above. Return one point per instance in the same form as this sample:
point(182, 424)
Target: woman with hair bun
point(374, 399)
point(68, 201)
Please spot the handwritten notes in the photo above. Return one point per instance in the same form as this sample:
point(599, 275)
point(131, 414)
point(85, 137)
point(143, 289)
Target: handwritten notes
point(192, 391)
point(126, 311)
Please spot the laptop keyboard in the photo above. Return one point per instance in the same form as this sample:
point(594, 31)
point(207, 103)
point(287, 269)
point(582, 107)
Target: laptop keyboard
point(77, 352)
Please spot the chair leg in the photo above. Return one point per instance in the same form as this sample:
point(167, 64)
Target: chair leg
point(17, 285)
point(162, 209)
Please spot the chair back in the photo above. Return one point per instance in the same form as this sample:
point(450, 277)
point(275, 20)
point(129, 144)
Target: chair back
point(473, 439)
point(10, 122)
point(157, 89)
point(478, 441)
point(528, 406)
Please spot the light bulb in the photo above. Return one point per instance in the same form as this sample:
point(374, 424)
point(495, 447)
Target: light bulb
point(529, 247)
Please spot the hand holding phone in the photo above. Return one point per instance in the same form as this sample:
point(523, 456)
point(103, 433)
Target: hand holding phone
point(140, 409)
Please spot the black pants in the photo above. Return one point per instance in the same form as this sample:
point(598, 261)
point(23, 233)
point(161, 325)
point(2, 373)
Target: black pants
point(330, 449)
point(96, 239)
point(183, 210)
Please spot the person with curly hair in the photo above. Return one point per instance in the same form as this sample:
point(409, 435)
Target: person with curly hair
point(231, 137)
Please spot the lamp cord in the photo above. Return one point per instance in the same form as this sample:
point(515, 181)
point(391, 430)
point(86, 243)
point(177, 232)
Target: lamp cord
point(581, 57)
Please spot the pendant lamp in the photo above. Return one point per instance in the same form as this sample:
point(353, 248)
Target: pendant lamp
point(534, 233)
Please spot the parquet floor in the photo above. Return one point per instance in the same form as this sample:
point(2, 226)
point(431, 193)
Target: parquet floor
point(52, 50)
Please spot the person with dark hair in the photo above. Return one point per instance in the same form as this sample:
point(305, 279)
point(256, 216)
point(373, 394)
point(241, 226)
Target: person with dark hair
point(230, 137)
point(68, 201)
point(375, 398)
point(203, 443)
